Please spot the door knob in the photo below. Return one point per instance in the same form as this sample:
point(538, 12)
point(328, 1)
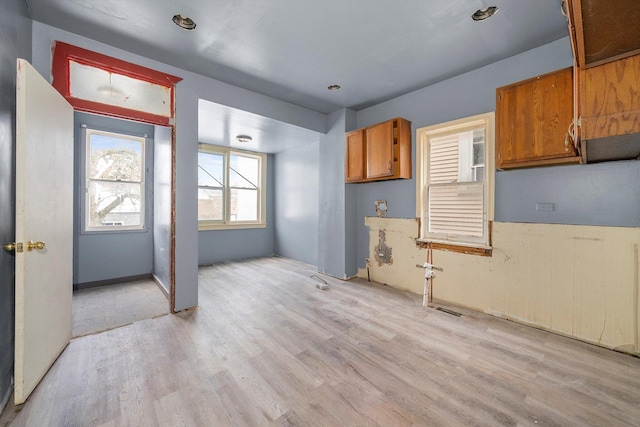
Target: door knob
point(12, 246)
point(35, 245)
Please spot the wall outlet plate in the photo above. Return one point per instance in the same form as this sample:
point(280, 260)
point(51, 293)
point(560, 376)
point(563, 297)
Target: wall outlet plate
point(545, 207)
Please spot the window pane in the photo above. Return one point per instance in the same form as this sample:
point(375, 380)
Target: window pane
point(113, 158)
point(210, 204)
point(244, 205)
point(478, 153)
point(98, 85)
point(114, 204)
point(243, 171)
point(210, 169)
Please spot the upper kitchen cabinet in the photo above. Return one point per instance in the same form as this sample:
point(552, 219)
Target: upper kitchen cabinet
point(603, 30)
point(379, 152)
point(532, 121)
point(610, 99)
point(605, 38)
point(355, 155)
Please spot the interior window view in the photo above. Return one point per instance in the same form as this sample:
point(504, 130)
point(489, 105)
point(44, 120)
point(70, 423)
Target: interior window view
point(320, 213)
point(115, 181)
point(239, 202)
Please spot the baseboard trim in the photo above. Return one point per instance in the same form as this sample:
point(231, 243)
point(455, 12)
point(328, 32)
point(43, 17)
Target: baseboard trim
point(164, 290)
point(114, 281)
point(6, 397)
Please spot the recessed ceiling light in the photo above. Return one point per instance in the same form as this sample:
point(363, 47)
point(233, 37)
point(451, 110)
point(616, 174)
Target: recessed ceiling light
point(244, 138)
point(333, 87)
point(482, 14)
point(184, 22)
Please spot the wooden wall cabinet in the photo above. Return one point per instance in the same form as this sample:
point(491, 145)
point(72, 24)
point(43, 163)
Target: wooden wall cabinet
point(532, 121)
point(610, 99)
point(603, 30)
point(605, 38)
point(355, 156)
point(379, 152)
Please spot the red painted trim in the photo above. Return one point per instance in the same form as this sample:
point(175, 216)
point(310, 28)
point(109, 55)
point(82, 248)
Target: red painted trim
point(118, 112)
point(63, 53)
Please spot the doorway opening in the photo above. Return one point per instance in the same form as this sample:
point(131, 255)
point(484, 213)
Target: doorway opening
point(114, 222)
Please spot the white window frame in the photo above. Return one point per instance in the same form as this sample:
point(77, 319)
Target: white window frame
point(86, 227)
point(226, 223)
point(486, 120)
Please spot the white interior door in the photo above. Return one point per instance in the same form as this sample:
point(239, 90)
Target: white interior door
point(44, 213)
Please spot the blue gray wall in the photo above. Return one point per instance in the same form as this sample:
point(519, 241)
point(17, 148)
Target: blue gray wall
point(336, 220)
point(162, 206)
point(102, 256)
point(296, 203)
point(192, 88)
point(605, 194)
point(462, 96)
point(226, 245)
point(15, 42)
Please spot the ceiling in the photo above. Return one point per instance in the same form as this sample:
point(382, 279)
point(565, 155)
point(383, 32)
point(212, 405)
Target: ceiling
point(294, 49)
point(220, 125)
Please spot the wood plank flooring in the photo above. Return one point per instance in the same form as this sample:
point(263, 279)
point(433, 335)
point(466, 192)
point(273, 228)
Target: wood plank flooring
point(265, 347)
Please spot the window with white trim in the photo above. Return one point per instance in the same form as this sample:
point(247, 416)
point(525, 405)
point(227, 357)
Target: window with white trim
point(115, 187)
point(455, 181)
point(231, 188)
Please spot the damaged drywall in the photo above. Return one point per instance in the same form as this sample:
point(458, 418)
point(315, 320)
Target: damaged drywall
point(382, 252)
point(397, 236)
point(579, 281)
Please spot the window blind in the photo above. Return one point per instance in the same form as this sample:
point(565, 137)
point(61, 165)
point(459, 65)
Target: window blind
point(454, 208)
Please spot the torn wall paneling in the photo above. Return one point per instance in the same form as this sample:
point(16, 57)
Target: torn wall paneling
point(579, 281)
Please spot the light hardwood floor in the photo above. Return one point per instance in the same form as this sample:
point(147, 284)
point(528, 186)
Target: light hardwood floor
point(265, 347)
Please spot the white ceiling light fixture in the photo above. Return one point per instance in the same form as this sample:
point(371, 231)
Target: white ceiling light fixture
point(244, 138)
point(333, 87)
point(184, 22)
point(482, 14)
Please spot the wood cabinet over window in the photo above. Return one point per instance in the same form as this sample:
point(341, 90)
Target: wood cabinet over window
point(379, 152)
point(532, 121)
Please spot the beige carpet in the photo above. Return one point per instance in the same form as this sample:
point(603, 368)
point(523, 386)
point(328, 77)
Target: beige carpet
point(106, 307)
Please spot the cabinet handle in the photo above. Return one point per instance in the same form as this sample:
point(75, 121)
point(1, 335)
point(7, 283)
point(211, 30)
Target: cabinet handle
point(389, 166)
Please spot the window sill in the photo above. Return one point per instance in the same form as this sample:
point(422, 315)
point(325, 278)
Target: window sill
point(210, 227)
point(455, 247)
point(114, 231)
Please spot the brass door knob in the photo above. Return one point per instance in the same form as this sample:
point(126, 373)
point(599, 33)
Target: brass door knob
point(12, 246)
point(35, 245)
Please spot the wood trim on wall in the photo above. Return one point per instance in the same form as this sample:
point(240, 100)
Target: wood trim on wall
point(63, 53)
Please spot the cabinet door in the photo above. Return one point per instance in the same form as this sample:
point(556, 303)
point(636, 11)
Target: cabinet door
point(379, 146)
point(532, 120)
point(610, 104)
point(354, 160)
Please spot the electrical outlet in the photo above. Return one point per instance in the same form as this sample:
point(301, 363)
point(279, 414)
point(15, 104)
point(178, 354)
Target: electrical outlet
point(545, 207)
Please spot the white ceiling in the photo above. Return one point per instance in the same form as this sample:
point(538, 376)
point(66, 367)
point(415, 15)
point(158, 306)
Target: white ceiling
point(219, 125)
point(293, 49)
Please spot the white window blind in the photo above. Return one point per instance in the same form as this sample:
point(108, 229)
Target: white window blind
point(455, 203)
